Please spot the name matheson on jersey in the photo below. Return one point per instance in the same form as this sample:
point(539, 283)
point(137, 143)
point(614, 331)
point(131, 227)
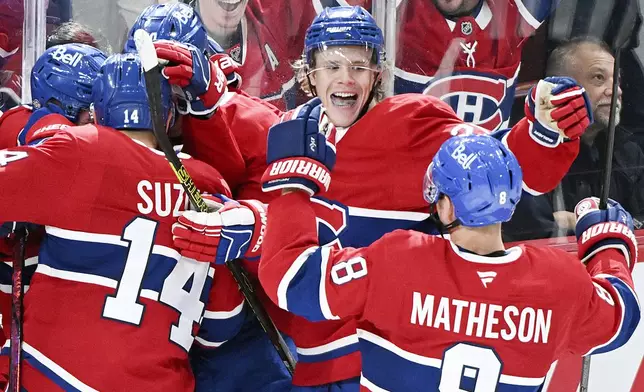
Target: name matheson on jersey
point(480, 319)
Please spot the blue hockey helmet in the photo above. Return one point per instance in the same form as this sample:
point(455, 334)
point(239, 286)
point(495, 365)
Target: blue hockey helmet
point(65, 73)
point(344, 26)
point(119, 96)
point(481, 177)
point(172, 21)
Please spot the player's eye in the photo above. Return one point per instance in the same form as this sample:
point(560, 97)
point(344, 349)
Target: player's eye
point(359, 68)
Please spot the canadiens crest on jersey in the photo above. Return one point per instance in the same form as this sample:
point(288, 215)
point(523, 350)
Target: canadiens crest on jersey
point(466, 28)
point(475, 98)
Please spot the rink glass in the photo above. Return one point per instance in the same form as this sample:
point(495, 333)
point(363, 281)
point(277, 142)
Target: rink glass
point(418, 59)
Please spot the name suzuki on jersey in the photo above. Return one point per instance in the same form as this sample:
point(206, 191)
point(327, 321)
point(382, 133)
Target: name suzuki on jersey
point(61, 55)
point(162, 198)
point(480, 319)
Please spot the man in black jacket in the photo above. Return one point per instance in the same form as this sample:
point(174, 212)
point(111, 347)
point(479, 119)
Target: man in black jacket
point(590, 62)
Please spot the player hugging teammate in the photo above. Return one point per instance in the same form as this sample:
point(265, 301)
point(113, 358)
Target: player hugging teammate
point(352, 261)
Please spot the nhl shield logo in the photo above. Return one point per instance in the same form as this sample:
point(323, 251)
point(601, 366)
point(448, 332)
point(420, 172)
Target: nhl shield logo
point(235, 53)
point(466, 28)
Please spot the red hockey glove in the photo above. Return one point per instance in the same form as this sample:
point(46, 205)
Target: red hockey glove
point(230, 69)
point(558, 110)
point(236, 230)
point(202, 82)
point(301, 150)
point(602, 229)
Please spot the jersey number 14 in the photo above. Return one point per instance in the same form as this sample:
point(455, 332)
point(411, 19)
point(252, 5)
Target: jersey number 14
point(125, 305)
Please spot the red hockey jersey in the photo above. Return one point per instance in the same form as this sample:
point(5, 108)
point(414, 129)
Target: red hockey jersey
point(119, 288)
point(376, 188)
point(471, 62)
point(233, 140)
point(12, 134)
point(430, 316)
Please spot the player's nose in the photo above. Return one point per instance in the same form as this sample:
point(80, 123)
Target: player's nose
point(345, 75)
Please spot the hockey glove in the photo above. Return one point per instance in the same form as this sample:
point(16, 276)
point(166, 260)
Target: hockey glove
point(234, 231)
point(301, 150)
point(230, 69)
point(597, 230)
point(202, 82)
point(558, 110)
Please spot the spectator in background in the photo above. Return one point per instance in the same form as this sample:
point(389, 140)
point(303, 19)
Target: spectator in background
point(264, 37)
point(469, 54)
point(590, 62)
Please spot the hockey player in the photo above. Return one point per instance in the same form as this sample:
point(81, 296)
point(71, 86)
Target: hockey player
point(458, 312)
point(383, 146)
point(61, 82)
point(470, 56)
point(107, 261)
point(464, 312)
point(248, 116)
point(241, 158)
point(61, 85)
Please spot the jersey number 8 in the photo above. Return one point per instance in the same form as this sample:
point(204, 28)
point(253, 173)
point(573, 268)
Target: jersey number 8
point(475, 366)
point(346, 271)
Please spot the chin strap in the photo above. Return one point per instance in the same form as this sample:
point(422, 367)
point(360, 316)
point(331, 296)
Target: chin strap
point(442, 228)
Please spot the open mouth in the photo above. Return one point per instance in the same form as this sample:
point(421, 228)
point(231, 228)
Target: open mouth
point(229, 5)
point(344, 99)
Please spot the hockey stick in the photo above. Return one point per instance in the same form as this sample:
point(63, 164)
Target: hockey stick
point(17, 294)
point(603, 198)
point(152, 73)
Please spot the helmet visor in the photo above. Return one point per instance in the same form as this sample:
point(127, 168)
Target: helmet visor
point(331, 60)
point(430, 190)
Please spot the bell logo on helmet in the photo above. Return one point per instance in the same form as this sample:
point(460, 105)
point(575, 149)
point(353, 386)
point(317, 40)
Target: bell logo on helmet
point(463, 159)
point(183, 15)
point(61, 55)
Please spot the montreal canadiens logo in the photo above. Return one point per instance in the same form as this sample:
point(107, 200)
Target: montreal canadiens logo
point(476, 99)
point(585, 206)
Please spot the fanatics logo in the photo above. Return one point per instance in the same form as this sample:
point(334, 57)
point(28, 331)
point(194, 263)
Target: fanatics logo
point(466, 28)
point(486, 277)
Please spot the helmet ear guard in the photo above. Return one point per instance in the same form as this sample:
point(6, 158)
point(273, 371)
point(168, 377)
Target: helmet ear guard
point(432, 195)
